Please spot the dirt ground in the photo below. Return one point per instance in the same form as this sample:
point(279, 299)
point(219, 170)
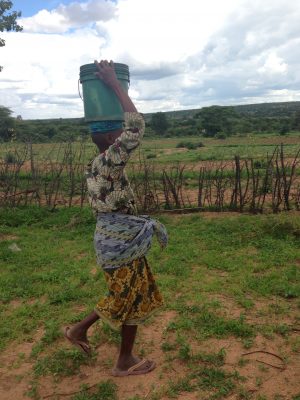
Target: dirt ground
point(271, 369)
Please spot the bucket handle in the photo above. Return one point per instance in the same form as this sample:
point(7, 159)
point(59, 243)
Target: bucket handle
point(79, 90)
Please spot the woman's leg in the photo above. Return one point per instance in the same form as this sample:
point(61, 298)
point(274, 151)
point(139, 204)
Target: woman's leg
point(126, 358)
point(79, 330)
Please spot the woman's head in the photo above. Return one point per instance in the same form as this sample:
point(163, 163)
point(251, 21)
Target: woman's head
point(104, 140)
point(104, 133)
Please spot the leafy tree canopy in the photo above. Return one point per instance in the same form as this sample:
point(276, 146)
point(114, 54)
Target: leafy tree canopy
point(8, 20)
point(216, 119)
point(159, 122)
point(7, 124)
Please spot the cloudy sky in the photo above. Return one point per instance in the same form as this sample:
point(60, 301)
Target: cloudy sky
point(182, 54)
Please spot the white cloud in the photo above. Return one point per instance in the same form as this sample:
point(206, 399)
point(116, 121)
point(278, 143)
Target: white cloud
point(168, 30)
point(74, 15)
point(273, 65)
point(85, 13)
point(181, 54)
point(46, 65)
point(45, 21)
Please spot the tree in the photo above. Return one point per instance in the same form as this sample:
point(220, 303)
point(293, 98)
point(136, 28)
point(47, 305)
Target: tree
point(159, 122)
point(296, 121)
point(216, 119)
point(7, 124)
point(8, 20)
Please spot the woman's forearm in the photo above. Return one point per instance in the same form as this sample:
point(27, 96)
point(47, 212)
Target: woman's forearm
point(123, 97)
point(106, 72)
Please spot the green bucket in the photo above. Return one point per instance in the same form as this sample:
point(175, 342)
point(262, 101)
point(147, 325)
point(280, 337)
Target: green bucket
point(99, 101)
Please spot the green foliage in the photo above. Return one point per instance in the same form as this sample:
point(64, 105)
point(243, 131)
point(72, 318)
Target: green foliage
point(217, 119)
point(55, 130)
point(296, 121)
point(168, 346)
point(63, 363)
point(151, 155)
point(284, 126)
point(8, 19)
point(259, 164)
point(216, 383)
point(221, 135)
point(189, 145)
point(214, 359)
point(184, 352)
point(181, 385)
point(206, 323)
point(159, 123)
point(281, 227)
point(220, 381)
point(7, 124)
point(10, 158)
point(106, 390)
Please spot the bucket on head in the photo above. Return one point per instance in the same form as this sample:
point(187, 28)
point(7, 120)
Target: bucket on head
point(99, 101)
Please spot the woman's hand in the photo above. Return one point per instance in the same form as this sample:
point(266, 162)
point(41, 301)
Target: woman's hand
point(106, 72)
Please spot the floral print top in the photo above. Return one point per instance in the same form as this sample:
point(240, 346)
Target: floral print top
point(108, 186)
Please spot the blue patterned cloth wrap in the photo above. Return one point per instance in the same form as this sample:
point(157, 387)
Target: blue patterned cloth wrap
point(104, 126)
point(122, 238)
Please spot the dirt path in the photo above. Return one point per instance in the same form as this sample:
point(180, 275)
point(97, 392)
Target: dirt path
point(265, 374)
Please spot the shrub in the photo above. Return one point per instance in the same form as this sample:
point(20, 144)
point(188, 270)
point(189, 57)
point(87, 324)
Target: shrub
point(259, 164)
point(221, 136)
point(10, 158)
point(189, 145)
point(151, 155)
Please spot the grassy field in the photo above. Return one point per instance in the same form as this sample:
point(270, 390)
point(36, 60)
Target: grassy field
point(166, 173)
point(164, 150)
point(229, 328)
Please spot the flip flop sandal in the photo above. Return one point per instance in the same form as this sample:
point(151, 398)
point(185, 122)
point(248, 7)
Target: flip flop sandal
point(82, 346)
point(134, 369)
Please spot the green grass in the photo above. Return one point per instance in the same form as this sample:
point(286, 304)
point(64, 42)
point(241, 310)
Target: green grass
point(255, 146)
point(215, 382)
point(210, 266)
point(104, 391)
point(63, 362)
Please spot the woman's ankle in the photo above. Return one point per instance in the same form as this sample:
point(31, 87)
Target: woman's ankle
point(78, 332)
point(126, 361)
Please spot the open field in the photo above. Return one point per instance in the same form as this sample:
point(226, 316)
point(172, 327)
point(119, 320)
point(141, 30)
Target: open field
point(255, 174)
point(255, 146)
point(163, 150)
point(229, 328)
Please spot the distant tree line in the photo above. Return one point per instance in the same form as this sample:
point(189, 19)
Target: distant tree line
point(222, 121)
point(215, 121)
point(40, 131)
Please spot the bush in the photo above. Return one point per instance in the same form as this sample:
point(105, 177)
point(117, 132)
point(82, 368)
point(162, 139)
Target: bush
point(10, 158)
point(221, 136)
point(259, 164)
point(189, 145)
point(282, 227)
point(151, 155)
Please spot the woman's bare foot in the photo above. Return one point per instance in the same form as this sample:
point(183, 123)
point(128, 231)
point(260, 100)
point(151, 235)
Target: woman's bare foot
point(77, 338)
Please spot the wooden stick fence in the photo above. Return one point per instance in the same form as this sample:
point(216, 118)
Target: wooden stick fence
point(272, 184)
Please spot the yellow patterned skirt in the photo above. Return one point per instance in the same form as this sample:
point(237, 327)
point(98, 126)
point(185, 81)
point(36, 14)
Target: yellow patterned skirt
point(132, 295)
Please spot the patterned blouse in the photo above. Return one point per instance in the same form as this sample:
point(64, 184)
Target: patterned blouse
point(108, 186)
